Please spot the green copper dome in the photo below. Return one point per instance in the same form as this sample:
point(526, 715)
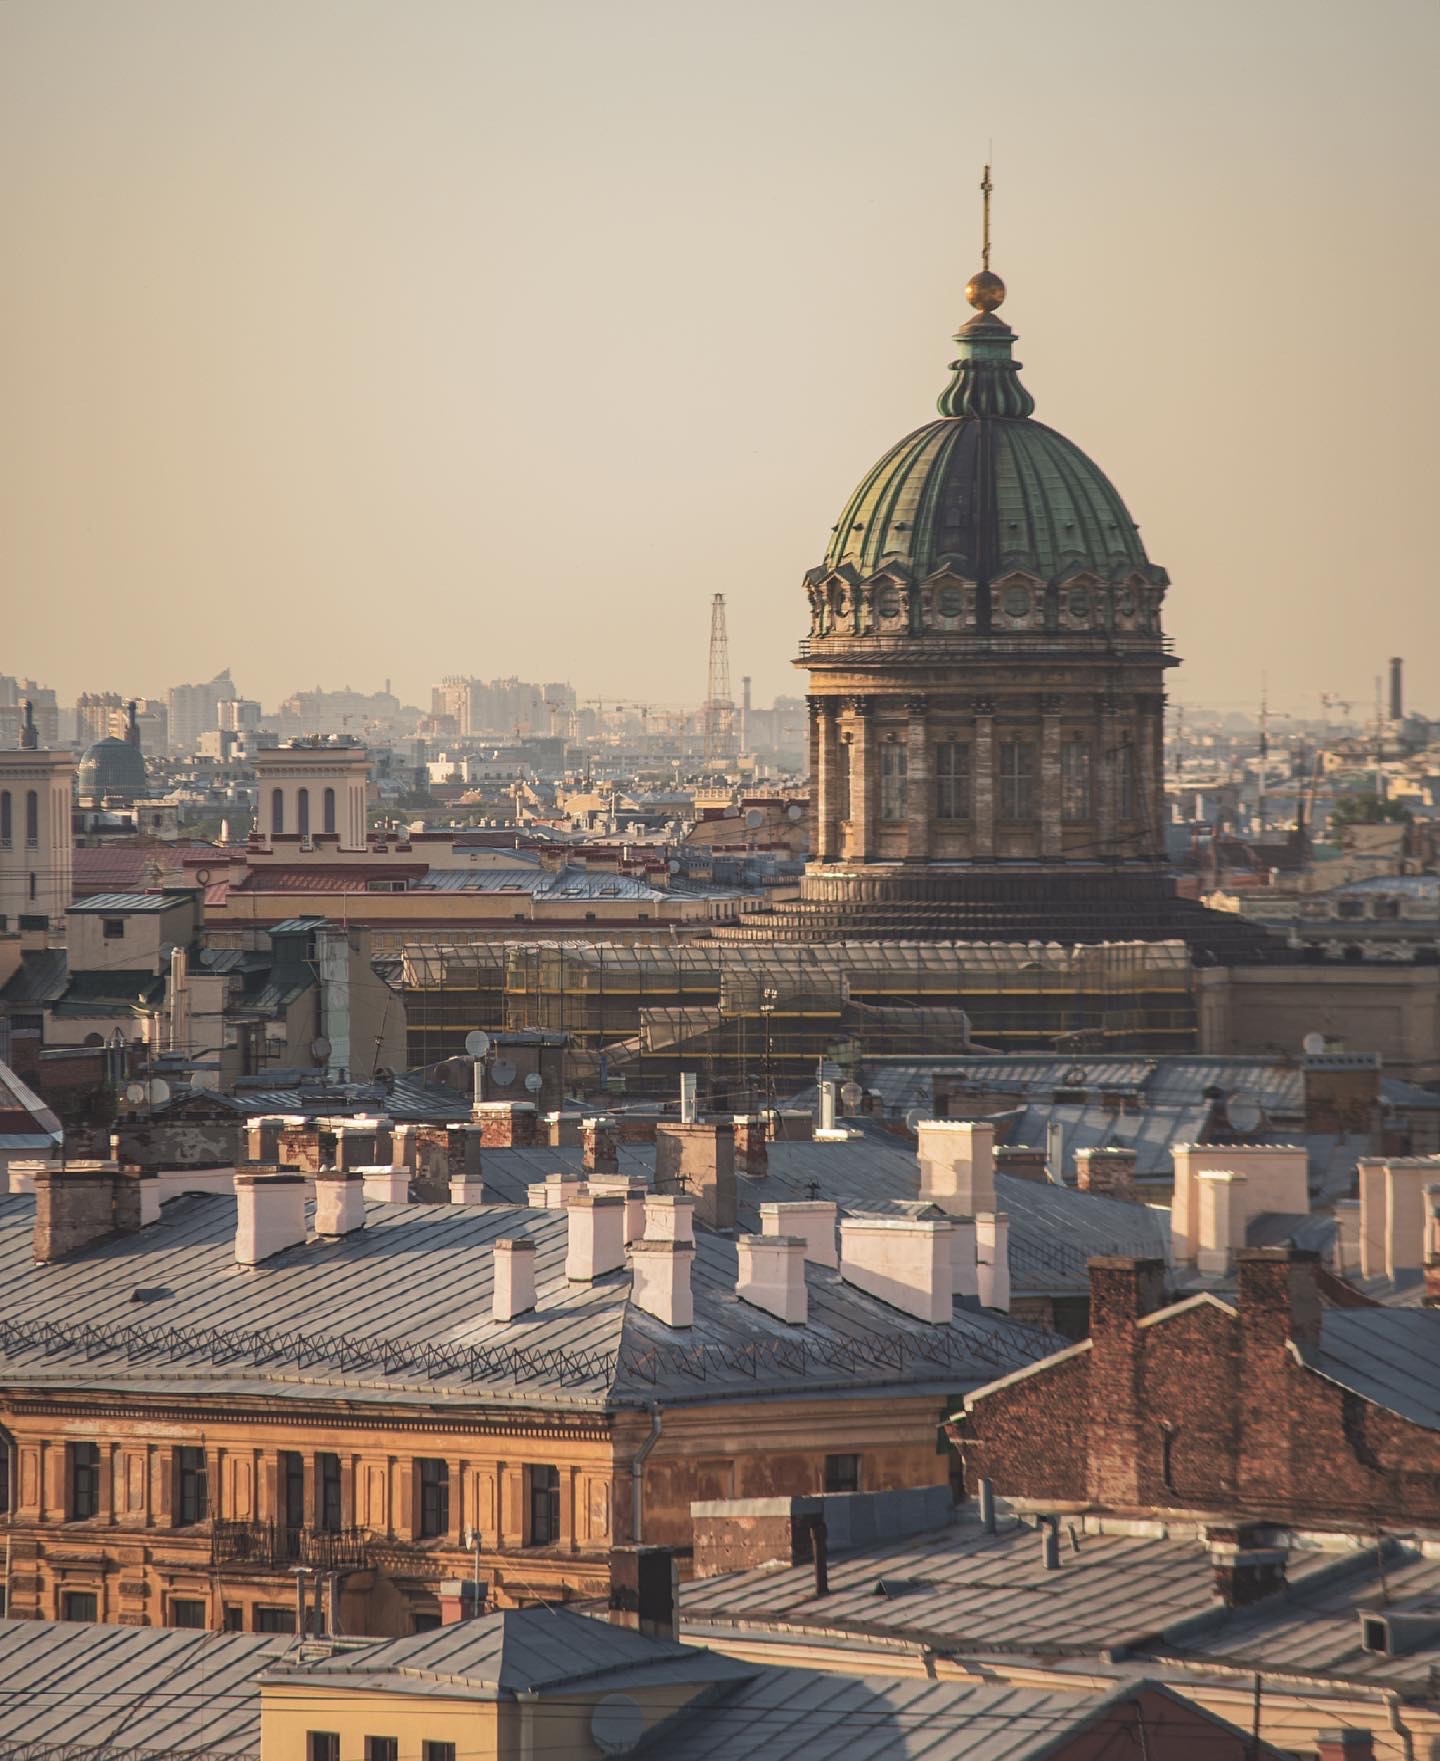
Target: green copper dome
point(986, 488)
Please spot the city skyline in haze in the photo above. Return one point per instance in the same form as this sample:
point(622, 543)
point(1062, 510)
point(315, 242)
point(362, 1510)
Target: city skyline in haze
point(362, 340)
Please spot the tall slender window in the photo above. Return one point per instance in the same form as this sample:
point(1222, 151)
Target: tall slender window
point(842, 780)
point(894, 780)
point(84, 1481)
point(6, 826)
point(1017, 780)
point(328, 810)
point(32, 819)
point(327, 1493)
point(952, 780)
point(277, 812)
point(544, 1505)
point(302, 812)
point(292, 1480)
point(434, 1498)
point(192, 1500)
point(1075, 780)
point(1125, 782)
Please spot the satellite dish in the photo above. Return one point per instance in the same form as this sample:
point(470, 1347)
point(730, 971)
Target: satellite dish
point(617, 1724)
point(913, 1119)
point(794, 811)
point(851, 1096)
point(754, 817)
point(673, 866)
point(1074, 1077)
point(503, 1073)
point(534, 1082)
point(1243, 1112)
point(320, 1048)
point(1313, 1045)
point(159, 1092)
point(197, 1081)
point(477, 1043)
point(135, 1094)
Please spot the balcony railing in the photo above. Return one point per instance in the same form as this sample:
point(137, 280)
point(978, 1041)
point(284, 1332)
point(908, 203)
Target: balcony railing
point(277, 1547)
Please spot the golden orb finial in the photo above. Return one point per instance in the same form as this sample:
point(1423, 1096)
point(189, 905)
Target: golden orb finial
point(985, 291)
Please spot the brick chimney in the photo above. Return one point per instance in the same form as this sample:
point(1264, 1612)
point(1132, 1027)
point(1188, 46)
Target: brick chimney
point(903, 1261)
point(772, 1275)
point(1021, 1162)
point(957, 1165)
point(506, 1125)
point(595, 1242)
point(813, 1220)
point(270, 1207)
point(1278, 1301)
point(752, 1155)
point(462, 1152)
point(1109, 1170)
point(644, 1591)
point(262, 1139)
point(1122, 1292)
point(514, 1277)
point(339, 1201)
point(699, 1159)
point(404, 1148)
point(460, 1599)
point(1344, 1745)
point(597, 1146)
point(80, 1204)
point(662, 1282)
point(1246, 1570)
point(561, 1130)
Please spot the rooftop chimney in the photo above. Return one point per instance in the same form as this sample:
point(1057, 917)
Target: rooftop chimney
point(1277, 1179)
point(992, 1260)
point(1245, 1570)
point(1345, 1745)
point(262, 1139)
point(752, 1155)
point(386, 1186)
point(772, 1275)
point(1222, 1216)
point(339, 1201)
point(514, 1276)
point(597, 1146)
point(813, 1220)
point(1432, 1247)
point(904, 1261)
point(506, 1124)
point(1123, 1291)
point(689, 1091)
point(662, 1280)
point(270, 1209)
point(554, 1192)
point(669, 1216)
point(700, 1160)
point(1397, 688)
point(634, 1193)
point(827, 1106)
point(1109, 1170)
point(644, 1591)
point(404, 1147)
point(595, 1235)
point(957, 1165)
point(82, 1203)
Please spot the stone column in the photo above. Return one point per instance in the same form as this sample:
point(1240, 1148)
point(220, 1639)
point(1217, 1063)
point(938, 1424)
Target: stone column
point(1106, 804)
point(918, 804)
point(862, 781)
point(984, 779)
point(1149, 775)
point(825, 759)
point(1050, 785)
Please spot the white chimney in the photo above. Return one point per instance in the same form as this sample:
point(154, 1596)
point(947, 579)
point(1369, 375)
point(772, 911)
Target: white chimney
point(634, 1192)
point(1222, 1214)
point(662, 1280)
point(270, 1215)
point(813, 1220)
point(403, 1147)
point(595, 1239)
point(964, 1254)
point(689, 1108)
point(957, 1165)
point(514, 1276)
point(386, 1186)
point(904, 1261)
point(1346, 1258)
point(827, 1106)
point(339, 1202)
point(992, 1260)
point(772, 1275)
point(554, 1192)
point(1277, 1177)
point(1406, 1179)
point(467, 1188)
point(669, 1216)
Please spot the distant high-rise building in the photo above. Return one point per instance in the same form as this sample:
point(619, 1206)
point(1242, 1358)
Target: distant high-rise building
point(14, 694)
point(195, 708)
point(96, 714)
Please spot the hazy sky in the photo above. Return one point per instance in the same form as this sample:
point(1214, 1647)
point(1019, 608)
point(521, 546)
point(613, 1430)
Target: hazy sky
point(355, 339)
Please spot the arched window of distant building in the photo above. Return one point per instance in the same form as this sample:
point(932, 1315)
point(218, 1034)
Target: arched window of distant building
point(32, 819)
point(302, 812)
point(329, 810)
point(277, 812)
point(6, 829)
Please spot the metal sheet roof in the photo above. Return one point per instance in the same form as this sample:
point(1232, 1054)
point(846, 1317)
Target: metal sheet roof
point(128, 902)
point(1390, 1356)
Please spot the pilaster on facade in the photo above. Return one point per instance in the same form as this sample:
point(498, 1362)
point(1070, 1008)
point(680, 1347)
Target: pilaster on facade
point(862, 779)
point(1051, 783)
point(984, 779)
point(825, 759)
point(919, 804)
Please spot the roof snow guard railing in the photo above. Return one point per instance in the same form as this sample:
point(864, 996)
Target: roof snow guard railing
point(478, 1365)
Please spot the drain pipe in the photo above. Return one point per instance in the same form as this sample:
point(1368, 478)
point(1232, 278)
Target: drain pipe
point(637, 1474)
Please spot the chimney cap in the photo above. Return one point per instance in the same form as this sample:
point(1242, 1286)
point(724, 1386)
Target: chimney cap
point(662, 1247)
point(515, 1244)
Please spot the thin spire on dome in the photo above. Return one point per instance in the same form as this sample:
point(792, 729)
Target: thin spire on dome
point(986, 381)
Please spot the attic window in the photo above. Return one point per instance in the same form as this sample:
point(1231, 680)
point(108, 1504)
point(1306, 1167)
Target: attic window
point(112, 928)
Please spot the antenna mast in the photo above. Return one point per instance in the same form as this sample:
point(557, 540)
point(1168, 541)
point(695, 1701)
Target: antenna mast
point(985, 188)
point(719, 705)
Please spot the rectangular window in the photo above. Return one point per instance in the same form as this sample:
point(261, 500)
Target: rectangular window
point(842, 1473)
point(234, 1618)
point(113, 928)
point(292, 1488)
point(274, 1619)
point(1125, 782)
point(4, 1481)
point(894, 780)
point(187, 1611)
point(842, 780)
point(434, 1499)
point(1017, 780)
point(382, 1749)
point(322, 1745)
point(1075, 780)
point(327, 1493)
point(79, 1605)
point(544, 1505)
point(192, 1499)
point(437, 1752)
point(84, 1481)
point(952, 780)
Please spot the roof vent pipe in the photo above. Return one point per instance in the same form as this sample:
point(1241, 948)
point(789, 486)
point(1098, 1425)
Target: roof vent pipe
point(827, 1106)
point(689, 1110)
